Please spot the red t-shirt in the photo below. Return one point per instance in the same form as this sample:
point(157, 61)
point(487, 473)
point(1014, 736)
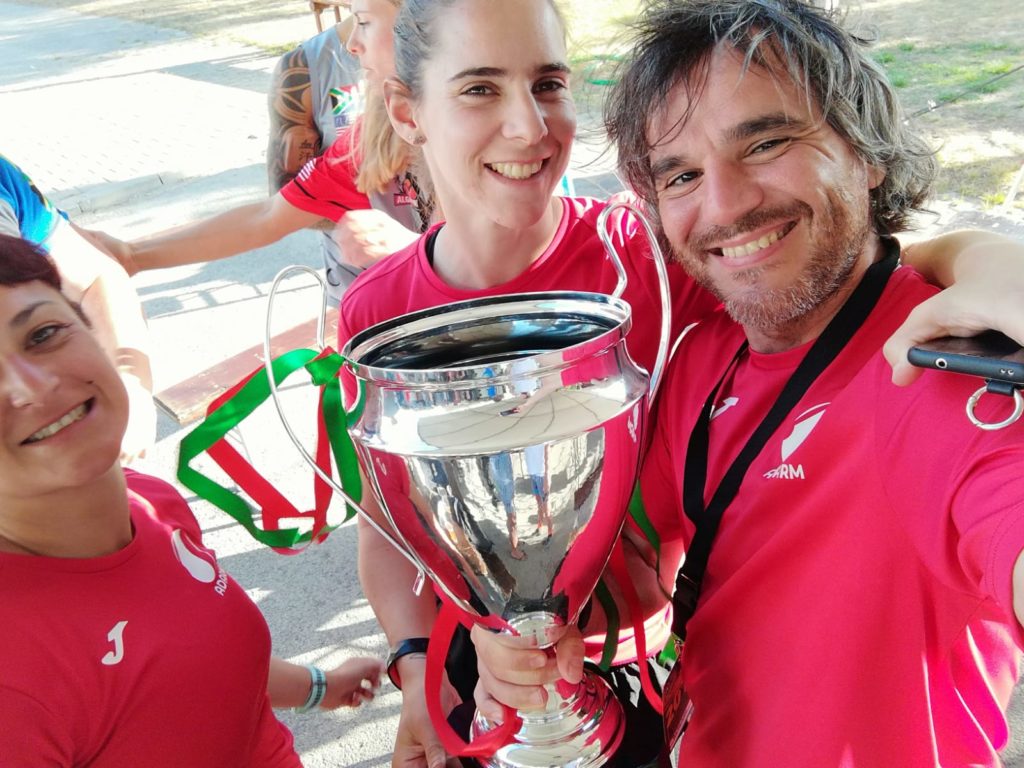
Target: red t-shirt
point(152, 656)
point(326, 185)
point(857, 605)
point(574, 261)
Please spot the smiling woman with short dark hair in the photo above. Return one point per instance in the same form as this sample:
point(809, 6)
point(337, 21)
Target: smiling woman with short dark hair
point(125, 642)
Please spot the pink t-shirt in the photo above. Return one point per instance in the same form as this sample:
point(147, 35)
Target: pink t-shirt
point(857, 607)
point(575, 260)
point(152, 656)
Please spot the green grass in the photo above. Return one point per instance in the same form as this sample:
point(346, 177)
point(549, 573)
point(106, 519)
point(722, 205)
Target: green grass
point(277, 49)
point(939, 73)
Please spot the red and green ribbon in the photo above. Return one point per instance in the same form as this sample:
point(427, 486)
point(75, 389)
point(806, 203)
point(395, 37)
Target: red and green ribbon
point(234, 406)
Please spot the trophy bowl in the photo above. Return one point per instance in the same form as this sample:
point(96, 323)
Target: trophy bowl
point(502, 437)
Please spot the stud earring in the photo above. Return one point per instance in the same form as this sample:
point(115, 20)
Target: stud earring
point(419, 139)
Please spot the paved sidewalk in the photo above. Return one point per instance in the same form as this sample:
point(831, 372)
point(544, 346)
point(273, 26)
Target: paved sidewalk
point(109, 110)
point(133, 128)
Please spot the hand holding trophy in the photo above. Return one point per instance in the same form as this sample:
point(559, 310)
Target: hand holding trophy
point(501, 437)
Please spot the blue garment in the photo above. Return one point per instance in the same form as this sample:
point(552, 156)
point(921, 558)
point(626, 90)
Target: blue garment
point(36, 216)
point(502, 480)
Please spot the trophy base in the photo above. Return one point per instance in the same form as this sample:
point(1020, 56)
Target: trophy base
point(581, 731)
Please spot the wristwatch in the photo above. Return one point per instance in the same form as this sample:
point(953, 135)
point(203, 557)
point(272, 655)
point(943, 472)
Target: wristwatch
point(404, 648)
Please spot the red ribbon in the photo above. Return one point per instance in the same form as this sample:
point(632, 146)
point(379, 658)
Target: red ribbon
point(448, 619)
point(272, 504)
point(617, 564)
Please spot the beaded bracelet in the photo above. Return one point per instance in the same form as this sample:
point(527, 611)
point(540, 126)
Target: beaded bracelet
point(317, 689)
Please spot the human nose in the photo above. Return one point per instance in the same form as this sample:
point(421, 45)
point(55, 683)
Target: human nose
point(354, 44)
point(728, 193)
point(26, 382)
point(524, 119)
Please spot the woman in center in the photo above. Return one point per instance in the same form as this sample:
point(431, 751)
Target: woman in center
point(483, 91)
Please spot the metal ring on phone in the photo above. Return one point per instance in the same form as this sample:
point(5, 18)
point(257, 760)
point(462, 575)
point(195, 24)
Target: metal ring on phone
point(1018, 409)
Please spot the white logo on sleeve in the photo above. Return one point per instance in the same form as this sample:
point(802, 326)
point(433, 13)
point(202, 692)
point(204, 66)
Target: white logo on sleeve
point(805, 424)
point(200, 563)
point(116, 636)
point(198, 567)
point(307, 170)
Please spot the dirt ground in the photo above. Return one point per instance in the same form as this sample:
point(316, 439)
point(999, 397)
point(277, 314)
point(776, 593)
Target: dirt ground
point(980, 137)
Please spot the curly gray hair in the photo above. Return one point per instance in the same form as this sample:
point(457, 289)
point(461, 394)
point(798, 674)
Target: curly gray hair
point(674, 40)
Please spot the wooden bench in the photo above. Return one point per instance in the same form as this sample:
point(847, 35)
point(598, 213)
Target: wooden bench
point(319, 6)
point(187, 400)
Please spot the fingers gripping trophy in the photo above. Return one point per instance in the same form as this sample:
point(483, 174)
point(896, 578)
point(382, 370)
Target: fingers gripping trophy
point(501, 437)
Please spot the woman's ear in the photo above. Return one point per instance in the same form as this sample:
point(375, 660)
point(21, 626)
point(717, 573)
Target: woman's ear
point(401, 110)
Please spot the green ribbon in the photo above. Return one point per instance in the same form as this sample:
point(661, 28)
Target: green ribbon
point(324, 372)
point(667, 655)
point(238, 405)
point(638, 512)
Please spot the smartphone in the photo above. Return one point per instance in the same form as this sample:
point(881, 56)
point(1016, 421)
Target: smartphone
point(990, 355)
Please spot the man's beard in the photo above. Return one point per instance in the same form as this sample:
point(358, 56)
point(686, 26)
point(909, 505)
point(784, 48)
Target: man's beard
point(834, 249)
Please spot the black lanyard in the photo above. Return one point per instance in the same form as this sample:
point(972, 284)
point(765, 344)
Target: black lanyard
point(836, 335)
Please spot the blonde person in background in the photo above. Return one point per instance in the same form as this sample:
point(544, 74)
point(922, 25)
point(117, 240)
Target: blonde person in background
point(362, 185)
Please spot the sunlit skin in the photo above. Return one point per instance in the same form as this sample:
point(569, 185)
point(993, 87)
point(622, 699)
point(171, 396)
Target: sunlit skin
point(498, 121)
point(371, 40)
point(52, 370)
point(763, 202)
point(63, 412)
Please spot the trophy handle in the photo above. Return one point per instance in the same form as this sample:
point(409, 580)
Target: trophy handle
point(321, 346)
point(663, 285)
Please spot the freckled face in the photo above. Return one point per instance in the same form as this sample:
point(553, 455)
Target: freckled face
point(63, 409)
point(763, 202)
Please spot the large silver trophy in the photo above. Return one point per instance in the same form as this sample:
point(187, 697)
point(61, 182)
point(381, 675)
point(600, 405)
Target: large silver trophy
point(502, 437)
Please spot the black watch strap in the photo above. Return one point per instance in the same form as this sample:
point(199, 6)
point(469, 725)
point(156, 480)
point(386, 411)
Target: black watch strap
point(404, 648)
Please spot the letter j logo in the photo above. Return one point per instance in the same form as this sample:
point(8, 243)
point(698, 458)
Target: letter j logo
point(116, 636)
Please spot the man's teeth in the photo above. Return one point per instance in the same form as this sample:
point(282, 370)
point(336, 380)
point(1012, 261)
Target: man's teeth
point(76, 414)
point(516, 170)
point(748, 249)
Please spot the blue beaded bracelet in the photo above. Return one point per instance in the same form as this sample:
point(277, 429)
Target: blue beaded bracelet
point(317, 689)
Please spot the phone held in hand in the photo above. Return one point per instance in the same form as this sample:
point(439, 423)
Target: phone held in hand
point(990, 355)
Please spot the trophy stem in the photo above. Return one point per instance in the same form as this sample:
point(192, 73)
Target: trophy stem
point(581, 730)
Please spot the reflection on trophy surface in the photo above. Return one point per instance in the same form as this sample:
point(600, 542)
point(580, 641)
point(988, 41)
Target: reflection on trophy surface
point(502, 437)
point(486, 511)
